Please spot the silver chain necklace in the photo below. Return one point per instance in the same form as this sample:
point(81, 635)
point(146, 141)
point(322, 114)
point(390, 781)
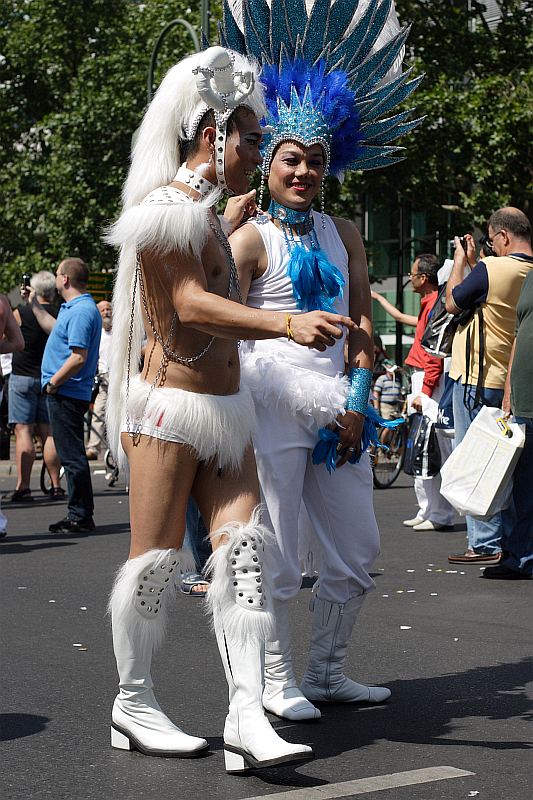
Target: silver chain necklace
point(168, 353)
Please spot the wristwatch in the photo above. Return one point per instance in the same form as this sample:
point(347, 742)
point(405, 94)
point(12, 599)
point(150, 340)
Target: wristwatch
point(50, 388)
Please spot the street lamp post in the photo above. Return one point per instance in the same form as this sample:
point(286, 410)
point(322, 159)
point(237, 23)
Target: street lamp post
point(205, 15)
point(157, 48)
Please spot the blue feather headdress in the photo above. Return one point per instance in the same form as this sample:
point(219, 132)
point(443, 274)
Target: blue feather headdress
point(331, 75)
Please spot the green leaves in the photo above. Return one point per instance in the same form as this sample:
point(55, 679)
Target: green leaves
point(474, 149)
point(74, 78)
point(73, 88)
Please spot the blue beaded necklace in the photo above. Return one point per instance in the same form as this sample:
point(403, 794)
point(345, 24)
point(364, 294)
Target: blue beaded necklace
point(316, 282)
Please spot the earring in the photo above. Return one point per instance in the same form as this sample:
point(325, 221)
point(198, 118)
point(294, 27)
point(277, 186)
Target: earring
point(322, 212)
point(261, 191)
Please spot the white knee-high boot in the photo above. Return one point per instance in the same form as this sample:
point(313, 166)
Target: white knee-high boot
point(238, 599)
point(324, 680)
point(281, 695)
point(143, 589)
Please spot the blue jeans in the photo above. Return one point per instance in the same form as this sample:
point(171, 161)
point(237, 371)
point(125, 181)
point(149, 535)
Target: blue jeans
point(483, 536)
point(517, 543)
point(196, 536)
point(66, 419)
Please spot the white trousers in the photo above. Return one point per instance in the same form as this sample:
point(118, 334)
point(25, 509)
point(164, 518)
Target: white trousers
point(97, 439)
point(339, 506)
point(431, 504)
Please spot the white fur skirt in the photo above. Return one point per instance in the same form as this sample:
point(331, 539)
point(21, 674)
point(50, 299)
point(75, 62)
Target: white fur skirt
point(217, 427)
point(276, 383)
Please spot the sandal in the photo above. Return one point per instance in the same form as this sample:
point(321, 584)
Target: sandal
point(191, 580)
point(21, 496)
point(58, 493)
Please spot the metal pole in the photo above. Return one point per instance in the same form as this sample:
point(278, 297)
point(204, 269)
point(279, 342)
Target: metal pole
point(157, 47)
point(205, 17)
point(398, 351)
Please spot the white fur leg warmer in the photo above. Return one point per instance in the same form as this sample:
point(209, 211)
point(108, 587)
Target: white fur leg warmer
point(239, 598)
point(143, 589)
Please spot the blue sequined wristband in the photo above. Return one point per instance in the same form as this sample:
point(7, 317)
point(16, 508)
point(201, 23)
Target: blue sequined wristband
point(360, 383)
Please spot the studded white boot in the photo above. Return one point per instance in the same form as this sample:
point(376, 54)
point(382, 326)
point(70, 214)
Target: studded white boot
point(138, 605)
point(281, 695)
point(324, 680)
point(239, 601)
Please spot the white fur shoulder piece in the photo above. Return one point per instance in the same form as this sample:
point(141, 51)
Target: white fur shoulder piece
point(165, 220)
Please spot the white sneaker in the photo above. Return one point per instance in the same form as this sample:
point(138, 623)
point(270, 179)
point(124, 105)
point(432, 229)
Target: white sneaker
point(428, 525)
point(410, 523)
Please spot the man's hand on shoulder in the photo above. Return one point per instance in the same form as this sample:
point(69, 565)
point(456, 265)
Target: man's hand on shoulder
point(239, 209)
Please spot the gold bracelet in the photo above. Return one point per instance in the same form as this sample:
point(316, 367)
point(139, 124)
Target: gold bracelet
point(290, 337)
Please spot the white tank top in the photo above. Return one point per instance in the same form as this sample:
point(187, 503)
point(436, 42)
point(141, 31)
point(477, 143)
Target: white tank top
point(273, 292)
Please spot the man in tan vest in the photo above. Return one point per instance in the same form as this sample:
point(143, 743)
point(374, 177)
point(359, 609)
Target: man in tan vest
point(482, 347)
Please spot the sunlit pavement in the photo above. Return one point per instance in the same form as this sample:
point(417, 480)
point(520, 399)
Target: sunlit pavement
point(454, 649)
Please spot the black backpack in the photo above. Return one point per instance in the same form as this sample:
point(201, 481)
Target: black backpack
point(438, 336)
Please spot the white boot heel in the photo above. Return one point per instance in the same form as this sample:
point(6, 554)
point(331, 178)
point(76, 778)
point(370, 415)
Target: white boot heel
point(119, 741)
point(234, 762)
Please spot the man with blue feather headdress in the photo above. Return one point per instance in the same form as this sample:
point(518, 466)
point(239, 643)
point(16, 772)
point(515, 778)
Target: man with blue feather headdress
point(331, 73)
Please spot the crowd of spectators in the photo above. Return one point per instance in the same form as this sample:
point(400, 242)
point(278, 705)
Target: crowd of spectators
point(54, 352)
point(488, 367)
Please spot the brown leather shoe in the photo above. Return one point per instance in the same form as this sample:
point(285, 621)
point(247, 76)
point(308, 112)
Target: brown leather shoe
point(471, 557)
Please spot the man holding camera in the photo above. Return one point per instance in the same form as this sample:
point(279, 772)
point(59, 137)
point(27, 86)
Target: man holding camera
point(482, 347)
point(28, 411)
point(67, 374)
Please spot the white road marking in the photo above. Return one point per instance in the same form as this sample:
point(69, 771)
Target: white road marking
point(366, 785)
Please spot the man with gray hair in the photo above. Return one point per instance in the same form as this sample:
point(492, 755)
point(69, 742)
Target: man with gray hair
point(482, 347)
point(28, 410)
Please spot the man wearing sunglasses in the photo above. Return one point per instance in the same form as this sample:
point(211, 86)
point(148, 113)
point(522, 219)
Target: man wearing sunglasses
point(482, 347)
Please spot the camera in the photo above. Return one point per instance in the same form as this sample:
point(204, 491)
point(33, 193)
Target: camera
point(26, 280)
point(462, 239)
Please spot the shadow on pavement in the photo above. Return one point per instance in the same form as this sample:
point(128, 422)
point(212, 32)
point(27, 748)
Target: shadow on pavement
point(427, 711)
point(38, 541)
point(16, 726)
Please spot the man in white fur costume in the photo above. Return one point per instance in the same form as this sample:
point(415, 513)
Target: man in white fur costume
point(182, 423)
point(324, 93)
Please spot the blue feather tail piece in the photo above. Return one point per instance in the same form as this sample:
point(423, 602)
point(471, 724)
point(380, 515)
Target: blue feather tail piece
point(326, 448)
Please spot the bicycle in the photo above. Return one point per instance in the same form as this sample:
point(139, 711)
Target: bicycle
point(387, 462)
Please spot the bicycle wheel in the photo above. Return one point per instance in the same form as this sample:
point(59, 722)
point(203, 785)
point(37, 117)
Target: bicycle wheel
point(109, 461)
point(112, 468)
point(46, 481)
point(387, 464)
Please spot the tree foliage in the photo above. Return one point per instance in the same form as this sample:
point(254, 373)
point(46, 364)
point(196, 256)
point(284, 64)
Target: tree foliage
point(473, 151)
point(73, 77)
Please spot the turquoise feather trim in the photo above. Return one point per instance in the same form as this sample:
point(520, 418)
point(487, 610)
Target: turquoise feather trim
point(316, 282)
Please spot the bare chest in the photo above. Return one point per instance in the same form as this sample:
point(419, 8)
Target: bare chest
point(219, 270)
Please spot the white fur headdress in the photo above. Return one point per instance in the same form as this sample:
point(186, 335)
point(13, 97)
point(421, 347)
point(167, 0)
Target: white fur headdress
point(155, 216)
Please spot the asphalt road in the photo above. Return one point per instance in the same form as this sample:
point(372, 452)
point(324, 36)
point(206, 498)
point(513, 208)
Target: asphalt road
point(454, 649)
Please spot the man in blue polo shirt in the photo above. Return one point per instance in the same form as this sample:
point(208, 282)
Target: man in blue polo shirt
point(67, 374)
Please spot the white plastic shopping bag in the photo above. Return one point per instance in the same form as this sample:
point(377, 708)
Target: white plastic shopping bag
point(477, 477)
